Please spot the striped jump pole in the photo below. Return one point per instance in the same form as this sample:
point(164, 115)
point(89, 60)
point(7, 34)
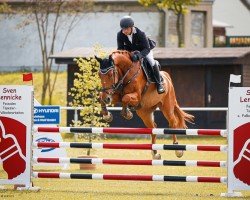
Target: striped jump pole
point(130, 177)
point(222, 148)
point(148, 131)
point(104, 161)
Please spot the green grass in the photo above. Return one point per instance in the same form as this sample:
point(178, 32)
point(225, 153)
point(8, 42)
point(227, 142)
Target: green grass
point(94, 189)
point(59, 97)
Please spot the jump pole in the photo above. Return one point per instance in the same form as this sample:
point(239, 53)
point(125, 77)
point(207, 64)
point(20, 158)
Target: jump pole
point(163, 178)
point(144, 131)
point(188, 163)
point(222, 148)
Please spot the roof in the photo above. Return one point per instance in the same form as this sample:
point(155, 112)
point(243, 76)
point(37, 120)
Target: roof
point(235, 13)
point(246, 3)
point(173, 56)
point(79, 52)
point(217, 23)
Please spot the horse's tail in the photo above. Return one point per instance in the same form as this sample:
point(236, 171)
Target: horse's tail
point(183, 117)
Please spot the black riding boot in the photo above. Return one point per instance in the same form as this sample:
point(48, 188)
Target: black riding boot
point(159, 85)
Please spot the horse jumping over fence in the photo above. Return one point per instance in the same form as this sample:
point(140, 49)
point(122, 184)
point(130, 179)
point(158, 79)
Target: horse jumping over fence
point(124, 81)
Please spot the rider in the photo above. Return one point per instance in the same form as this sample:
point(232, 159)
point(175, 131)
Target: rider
point(131, 38)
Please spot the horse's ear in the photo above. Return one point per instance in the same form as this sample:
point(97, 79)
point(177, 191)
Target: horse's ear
point(110, 58)
point(98, 59)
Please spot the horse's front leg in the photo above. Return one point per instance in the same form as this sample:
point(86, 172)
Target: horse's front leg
point(107, 116)
point(131, 99)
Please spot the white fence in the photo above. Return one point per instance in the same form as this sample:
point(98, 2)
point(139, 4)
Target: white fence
point(205, 109)
point(120, 108)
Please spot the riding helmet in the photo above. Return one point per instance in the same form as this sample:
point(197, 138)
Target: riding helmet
point(126, 22)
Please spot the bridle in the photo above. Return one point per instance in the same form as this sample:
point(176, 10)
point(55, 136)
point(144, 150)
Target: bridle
point(119, 85)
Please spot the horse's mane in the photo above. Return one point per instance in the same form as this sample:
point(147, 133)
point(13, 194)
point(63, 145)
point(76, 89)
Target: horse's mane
point(121, 54)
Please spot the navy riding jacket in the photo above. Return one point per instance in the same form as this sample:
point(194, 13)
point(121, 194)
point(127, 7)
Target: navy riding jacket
point(140, 42)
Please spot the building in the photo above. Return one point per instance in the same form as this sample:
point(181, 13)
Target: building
point(19, 47)
point(234, 13)
point(231, 23)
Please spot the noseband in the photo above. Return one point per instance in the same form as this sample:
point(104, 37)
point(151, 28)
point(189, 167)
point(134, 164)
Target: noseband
point(113, 87)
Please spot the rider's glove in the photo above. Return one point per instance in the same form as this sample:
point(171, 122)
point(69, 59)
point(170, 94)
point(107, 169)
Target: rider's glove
point(136, 56)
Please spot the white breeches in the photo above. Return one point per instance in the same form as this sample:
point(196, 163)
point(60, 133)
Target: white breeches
point(150, 59)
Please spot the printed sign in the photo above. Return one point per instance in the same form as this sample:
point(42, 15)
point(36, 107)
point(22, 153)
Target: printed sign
point(48, 152)
point(239, 139)
point(15, 133)
point(47, 115)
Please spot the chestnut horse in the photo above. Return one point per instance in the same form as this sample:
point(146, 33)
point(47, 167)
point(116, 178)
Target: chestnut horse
point(124, 81)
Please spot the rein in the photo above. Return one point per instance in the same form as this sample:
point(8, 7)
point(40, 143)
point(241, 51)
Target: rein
point(120, 85)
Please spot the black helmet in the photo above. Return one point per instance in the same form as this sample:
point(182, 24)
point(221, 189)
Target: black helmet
point(126, 22)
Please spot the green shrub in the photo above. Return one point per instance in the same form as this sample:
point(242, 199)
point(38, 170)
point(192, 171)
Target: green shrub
point(85, 93)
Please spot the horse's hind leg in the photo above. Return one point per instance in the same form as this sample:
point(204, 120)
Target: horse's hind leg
point(173, 121)
point(155, 155)
point(148, 119)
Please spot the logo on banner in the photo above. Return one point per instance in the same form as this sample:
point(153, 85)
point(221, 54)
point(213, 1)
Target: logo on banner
point(241, 153)
point(45, 139)
point(47, 115)
point(13, 146)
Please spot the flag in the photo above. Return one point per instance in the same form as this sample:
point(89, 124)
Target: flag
point(235, 78)
point(27, 77)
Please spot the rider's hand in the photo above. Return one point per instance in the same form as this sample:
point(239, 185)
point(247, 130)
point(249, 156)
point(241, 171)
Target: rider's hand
point(136, 56)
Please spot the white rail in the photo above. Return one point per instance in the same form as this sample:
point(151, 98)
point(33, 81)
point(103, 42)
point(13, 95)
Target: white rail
point(210, 109)
point(183, 108)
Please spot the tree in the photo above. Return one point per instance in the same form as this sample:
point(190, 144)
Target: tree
point(85, 93)
point(5, 8)
point(178, 6)
point(51, 17)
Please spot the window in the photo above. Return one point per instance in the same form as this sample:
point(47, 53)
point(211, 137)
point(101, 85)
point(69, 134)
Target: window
point(198, 30)
point(172, 37)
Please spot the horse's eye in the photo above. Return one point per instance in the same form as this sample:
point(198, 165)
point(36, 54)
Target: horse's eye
point(110, 73)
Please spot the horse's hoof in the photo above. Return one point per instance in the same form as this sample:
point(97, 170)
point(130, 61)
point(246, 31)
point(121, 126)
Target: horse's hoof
point(157, 156)
point(127, 115)
point(108, 117)
point(179, 153)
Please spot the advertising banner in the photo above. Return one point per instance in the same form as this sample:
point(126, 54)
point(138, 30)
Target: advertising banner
point(16, 113)
point(47, 115)
point(239, 139)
